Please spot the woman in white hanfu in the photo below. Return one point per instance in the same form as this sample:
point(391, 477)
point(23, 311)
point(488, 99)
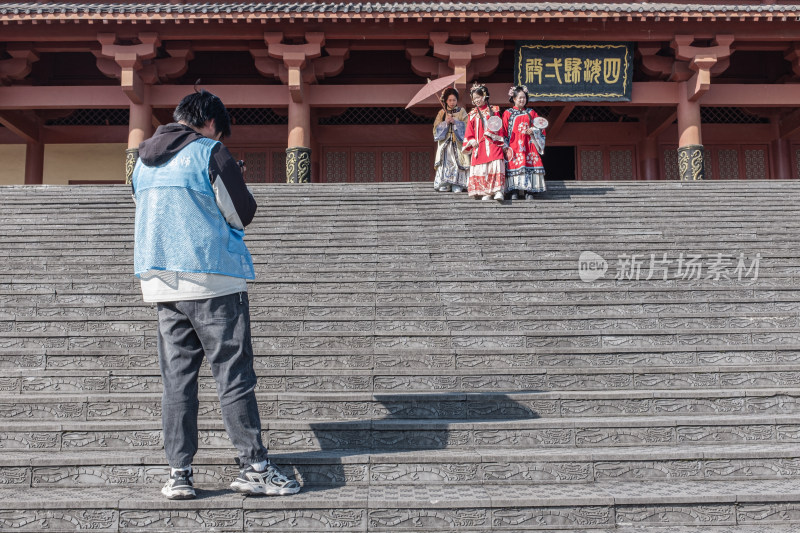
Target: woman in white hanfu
point(452, 165)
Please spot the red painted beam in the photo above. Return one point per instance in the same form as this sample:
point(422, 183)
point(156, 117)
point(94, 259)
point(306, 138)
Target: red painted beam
point(231, 95)
point(790, 124)
point(25, 125)
point(22, 97)
point(651, 93)
point(756, 95)
point(277, 96)
point(112, 97)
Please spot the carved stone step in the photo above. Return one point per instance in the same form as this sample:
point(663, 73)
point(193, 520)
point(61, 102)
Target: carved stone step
point(493, 360)
point(292, 306)
point(681, 339)
point(420, 434)
point(402, 380)
point(434, 467)
point(403, 508)
point(335, 406)
point(451, 319)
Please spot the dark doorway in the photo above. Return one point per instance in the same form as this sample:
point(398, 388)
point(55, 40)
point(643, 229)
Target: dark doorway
point(559, 162)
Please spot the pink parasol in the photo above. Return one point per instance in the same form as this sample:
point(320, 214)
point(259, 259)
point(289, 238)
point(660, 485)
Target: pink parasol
point(432, 87)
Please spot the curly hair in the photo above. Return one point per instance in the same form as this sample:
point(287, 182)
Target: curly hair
point(446, 94)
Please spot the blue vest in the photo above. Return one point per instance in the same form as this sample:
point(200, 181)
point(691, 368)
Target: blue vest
point(179, 226)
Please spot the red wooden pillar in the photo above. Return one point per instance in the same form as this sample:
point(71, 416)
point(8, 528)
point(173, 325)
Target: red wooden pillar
point(690, 140)
point(34, 163)
point(315, 153)
point(140, 127)
point(298, 151)
point(141, 124)
point(648, 162)
point(781, 151)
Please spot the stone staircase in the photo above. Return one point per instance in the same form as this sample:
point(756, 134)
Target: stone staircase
point(426, 362)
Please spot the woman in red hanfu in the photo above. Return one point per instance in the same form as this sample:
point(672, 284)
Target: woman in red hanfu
point(485, 139)
point(525, 172)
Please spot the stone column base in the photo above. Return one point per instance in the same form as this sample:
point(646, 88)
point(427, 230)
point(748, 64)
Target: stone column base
point(691, 162)
point(131, 155)
point(298, 164)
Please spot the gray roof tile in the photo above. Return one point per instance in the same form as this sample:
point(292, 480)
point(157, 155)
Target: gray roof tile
point(34, 8)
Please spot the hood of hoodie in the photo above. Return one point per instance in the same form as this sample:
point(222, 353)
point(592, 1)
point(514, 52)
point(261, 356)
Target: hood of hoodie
point(167, 141)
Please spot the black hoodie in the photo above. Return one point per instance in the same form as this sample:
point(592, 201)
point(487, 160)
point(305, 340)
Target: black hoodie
point(233, 198)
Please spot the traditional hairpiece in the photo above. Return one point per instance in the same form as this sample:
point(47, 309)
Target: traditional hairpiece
point(478, 87)
point(513, 90)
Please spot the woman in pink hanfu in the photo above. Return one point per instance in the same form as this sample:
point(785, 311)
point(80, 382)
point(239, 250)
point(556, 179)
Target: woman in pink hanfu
point(525, 171)
point(485, 140)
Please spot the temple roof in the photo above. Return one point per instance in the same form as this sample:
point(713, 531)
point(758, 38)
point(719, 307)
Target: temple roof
point(31, 11)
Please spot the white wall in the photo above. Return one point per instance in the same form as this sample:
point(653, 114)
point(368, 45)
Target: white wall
point(12, 164)
point(64, 162)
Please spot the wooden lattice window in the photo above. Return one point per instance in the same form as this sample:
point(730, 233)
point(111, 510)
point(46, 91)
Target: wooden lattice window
point(591, 162)
point(278, 167)
point(670, 163)
point(256, 167)
point(364, 166)
point(621, 164)
point(260, 163)
point(728, 163)
point(796, 152)
point(755, 164)
point(392, 166)
point(708, 164)
point(420, 165)
point(336, 167)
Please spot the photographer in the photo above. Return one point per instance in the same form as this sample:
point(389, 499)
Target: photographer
point(192, 206)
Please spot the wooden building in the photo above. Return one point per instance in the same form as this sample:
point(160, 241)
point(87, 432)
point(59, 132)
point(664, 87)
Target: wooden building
point(327, 83)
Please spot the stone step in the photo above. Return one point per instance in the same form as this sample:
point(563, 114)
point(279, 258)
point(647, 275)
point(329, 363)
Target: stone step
point(455, 320)
point(307, 309)
point(671, 404)
point(60, 433)
point(513, 289)
point(391, 380)
point(479, 466)
point(773, 338)
point(464, 508)
point(408, 294)
point(492, 360)
point(336, 406)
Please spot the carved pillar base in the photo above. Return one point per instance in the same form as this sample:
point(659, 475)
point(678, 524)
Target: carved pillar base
point(131, 155)
point(691, 165)
point(298, 164)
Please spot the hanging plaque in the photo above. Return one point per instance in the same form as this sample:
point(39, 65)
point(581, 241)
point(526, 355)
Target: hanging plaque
point(575, 71)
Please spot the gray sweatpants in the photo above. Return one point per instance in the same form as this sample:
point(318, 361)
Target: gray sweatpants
point(219, 329)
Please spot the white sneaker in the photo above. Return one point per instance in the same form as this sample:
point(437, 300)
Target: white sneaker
point(444, 188)
point(179, 486)
point(487, 197)
point(457, 188)
point(498, 196)
point(514, 196)
point(269, 481)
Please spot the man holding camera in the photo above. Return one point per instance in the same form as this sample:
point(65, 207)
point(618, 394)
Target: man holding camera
point(192, 206)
